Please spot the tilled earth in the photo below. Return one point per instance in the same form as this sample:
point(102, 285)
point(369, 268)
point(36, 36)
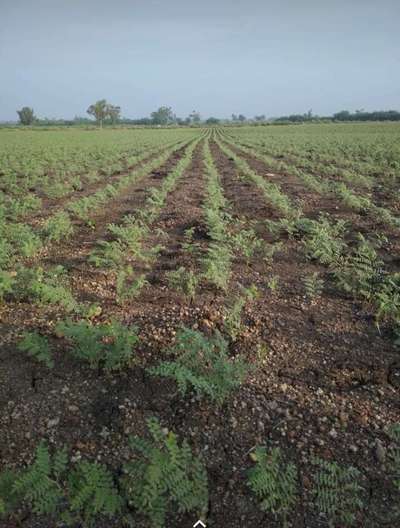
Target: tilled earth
point(325, 381)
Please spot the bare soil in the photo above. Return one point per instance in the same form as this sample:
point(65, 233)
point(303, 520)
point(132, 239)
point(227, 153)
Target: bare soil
point(325, 380)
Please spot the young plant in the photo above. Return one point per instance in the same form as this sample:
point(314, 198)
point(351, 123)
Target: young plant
point(313, 285)
point(203, 365)
point(92, 492)
point(338, 493)
point(360, 272)
point(275, 482)
point(45, 287)
point(188, 245)
point(23, 240)
point(37, 347)
point(387, 299)
point(7, 281)
point(58, 227)
point(48, 488)
point(394, 456)
point(108, 254)
point(247, 243)
point(217, 265)
point(233, 312)
point(164, 477)
point(128, 286)
point(9, 499)
point(40, 484)
point(324, 241)
point(273, 283)
point(6, 251)
point(183, 280)
point(109, 346)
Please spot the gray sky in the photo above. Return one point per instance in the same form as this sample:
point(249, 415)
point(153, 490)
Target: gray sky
point(215, 56)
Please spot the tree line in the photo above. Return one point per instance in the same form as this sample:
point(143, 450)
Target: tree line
point(106, 113)
point(344, 115)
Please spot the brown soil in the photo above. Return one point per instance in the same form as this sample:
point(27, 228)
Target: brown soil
point(325, 381)
point(51, 206)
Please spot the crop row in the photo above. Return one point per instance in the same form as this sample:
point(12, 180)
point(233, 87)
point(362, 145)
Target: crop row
point(163, 476)
point(358, 202)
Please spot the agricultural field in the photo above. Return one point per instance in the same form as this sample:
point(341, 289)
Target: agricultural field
point(200, 323)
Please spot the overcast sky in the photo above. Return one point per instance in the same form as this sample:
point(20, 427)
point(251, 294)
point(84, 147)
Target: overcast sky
point(268, 57)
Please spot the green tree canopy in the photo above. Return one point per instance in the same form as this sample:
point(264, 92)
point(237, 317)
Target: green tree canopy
point(195, 117)
point(102, 110)
point(26, 115)
point(163, 116)
point(114, 113)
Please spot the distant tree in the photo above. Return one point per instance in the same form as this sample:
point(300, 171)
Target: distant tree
point(234, 117)
point(241, 118)
point(195, 117)
point(79, 120)
point(212, 121)
point(362, 115)
point(163, 116)
point(259, 117)
point(26, 115)
point(114, 113)
point(99, 110)
point(344, 115)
